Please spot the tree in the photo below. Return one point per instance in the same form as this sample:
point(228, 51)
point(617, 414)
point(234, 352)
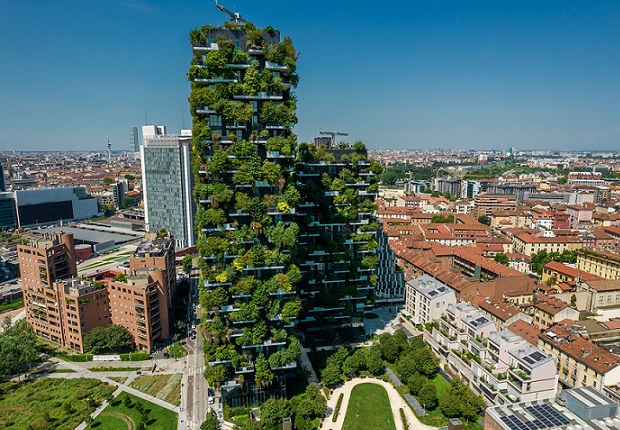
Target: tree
point(484, 220)
point(425, 361)
point(108, 180)
point(187, 263)
point(126, 202)
point(272, 412)
point(374, 363)
point(416, 382)
point(17, 347)
point(388, 347)
point(108, 210)
point(311, 404)
point(113, 338)
point(215, 375)
point(573, 301)
point(211, 423)
point(501, 258)
point(262, 373)
point(130, 177)
point(428, 395)
point(331, 374)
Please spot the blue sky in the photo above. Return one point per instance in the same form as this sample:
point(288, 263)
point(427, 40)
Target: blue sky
point(396, 74)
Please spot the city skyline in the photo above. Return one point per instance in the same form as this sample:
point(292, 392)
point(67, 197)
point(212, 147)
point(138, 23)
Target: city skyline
point(399, 76)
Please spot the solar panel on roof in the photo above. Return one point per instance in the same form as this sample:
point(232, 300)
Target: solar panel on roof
point(528, 360)
point(432, 293)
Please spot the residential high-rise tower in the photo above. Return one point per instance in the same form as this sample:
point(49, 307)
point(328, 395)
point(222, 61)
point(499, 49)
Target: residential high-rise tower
point(287, 236)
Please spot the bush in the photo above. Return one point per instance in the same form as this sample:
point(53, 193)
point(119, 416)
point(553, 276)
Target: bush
point(135, 356)
point(337, 410)
point(403, 418)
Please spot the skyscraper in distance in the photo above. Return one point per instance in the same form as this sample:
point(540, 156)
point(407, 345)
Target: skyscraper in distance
point(167, 183)
point(134, 139)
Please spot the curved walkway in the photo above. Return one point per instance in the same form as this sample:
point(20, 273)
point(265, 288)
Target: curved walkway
point(396, 402)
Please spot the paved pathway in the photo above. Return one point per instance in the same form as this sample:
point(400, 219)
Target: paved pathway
point(413, 403)
point(396, 402)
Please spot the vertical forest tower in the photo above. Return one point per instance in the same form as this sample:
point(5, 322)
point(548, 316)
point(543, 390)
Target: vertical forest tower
point(286, 232)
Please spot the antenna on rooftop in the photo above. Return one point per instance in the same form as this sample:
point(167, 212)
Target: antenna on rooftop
point(234, 16)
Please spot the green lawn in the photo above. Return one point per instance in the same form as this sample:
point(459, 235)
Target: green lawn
point(117, 415)
point(50, 403)
point(369, 408)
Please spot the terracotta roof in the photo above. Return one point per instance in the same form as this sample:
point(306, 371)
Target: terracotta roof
point(605, 285)
point(526, 330)
point(501, 310)
point(549, 304)
point(581, 349)
point(556, 266)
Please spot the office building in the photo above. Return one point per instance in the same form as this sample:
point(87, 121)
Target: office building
point(167, 182)
point(52, 205)
point(134, 139)
point(8, 220)
point(2, 180)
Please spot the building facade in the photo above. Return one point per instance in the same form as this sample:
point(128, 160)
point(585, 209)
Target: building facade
point(167, 180)
point(426, 299)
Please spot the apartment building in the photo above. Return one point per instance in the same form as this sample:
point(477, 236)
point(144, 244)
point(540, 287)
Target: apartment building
point(555, 273)
point(63, 309)
point(85, 307)
point(503, 366)
point(138, 302)
point(486, 204)
point(581, 362)
point(602, 293)
point(426, 299)
point(157, 252)
point(42, 262)
point(548, 310)
point(603, 264)
point(502, 313)
point(524, 243)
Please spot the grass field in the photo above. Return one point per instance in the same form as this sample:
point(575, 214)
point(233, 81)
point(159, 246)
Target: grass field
point(164, 387)
point(117, 416)
point(119, 379)
point(369, 408)
point(50, 403)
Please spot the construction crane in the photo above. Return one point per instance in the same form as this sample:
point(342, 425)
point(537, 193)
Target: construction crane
point(234, 16)
point(333, 134)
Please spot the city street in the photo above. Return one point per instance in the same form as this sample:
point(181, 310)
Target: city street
point(194, 391)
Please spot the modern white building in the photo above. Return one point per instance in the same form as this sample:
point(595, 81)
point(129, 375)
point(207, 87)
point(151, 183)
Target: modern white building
point(167, 182)
point(426, 299)
point(503, 367)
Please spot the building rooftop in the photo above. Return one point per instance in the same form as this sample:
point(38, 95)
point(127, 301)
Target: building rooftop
point(582, 408)
point(154, 247)
point(430, 287)
point(530, 355)
point(526, 330)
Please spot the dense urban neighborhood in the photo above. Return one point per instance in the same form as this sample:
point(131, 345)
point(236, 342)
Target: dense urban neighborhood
point(227, 276)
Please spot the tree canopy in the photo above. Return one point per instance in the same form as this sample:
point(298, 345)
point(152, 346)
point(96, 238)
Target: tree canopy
point(17, 347)
point(113, 338)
